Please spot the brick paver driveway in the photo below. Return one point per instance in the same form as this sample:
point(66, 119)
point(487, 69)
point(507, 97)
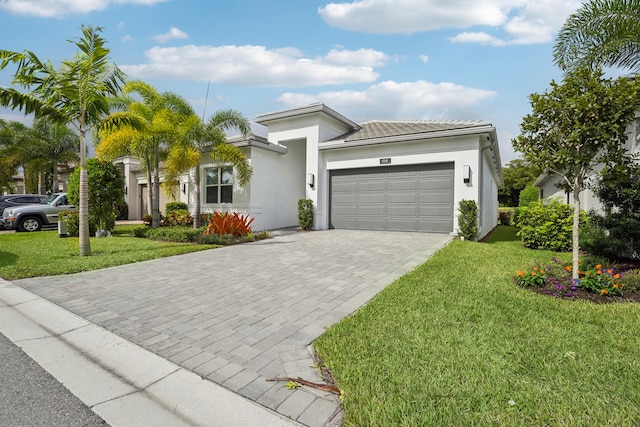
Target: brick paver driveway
point(238, 315)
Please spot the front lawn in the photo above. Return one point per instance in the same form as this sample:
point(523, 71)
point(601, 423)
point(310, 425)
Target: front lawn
point(456, 342)
point(43, 253)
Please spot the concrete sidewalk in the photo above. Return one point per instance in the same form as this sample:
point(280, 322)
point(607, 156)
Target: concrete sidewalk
point(234, 316)
point(123, 383)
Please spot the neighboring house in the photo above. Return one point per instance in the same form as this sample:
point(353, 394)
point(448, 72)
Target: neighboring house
point(379, 175)
point(136, 190)
point(588, 201)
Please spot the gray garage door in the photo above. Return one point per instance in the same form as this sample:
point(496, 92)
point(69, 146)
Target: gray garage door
point(395, 198)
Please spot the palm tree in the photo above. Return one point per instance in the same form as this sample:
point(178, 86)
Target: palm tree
point(56, 144)
point(601, 32)
point(159, 115)
point(197, 138)
point(18, 152)
point(76, 94)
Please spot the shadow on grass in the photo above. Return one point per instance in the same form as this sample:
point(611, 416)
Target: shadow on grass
point(7, 258)
point(502, 233)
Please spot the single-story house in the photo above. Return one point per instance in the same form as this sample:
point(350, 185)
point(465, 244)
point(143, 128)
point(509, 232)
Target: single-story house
point(378, 175)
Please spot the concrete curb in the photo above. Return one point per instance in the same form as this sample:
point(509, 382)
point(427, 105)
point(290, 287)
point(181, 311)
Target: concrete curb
point(122, 382)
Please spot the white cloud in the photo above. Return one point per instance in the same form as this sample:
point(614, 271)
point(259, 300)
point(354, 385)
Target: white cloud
point(61, 8)
point(423, 58)
point(173, 34)
point(393, 100)
point(515, 21)
point(259, 66)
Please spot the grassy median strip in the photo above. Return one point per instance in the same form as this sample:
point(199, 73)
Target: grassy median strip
point(455, 342)
point(43, 253)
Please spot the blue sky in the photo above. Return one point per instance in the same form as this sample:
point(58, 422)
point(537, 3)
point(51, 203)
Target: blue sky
point(367, 59)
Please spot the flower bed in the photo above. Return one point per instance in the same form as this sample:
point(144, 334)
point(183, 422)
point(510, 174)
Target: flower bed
point(596, 283)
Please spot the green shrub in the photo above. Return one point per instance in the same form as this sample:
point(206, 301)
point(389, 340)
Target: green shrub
point(72, 218)
point(528, 195)
point(227, 239)
point(175, 206)
point(468, 219)
point(176, 217)
point(140, 231)
point(597, 242)
point(305, 214)
point(547, 225)
point(173, 234)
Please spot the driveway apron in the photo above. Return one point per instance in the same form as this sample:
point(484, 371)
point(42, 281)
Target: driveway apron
point(241, 314)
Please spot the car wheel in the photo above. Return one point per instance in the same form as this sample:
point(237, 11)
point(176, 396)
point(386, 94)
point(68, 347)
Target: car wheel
point(31, 223)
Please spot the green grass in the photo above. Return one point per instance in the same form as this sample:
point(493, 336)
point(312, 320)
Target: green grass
point(43, 253)
point(453, 342)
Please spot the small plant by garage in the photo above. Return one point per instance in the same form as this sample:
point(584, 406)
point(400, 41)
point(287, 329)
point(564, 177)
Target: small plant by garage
point(468, 219)
point(305, 214)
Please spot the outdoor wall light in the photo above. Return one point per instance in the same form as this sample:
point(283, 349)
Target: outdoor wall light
point(184, 188)
point(310, 180)
point(466, 173)
point(125, 190)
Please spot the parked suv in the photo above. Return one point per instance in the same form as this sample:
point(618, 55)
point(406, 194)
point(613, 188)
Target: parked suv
point(10, 200)
point(34, 217)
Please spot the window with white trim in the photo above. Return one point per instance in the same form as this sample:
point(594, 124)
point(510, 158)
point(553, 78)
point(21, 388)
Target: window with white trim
point(218, 184)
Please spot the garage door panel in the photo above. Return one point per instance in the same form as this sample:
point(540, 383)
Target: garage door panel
point(402, 225)
point(401, 185)
point(397, 198)
point(371, 197)
point(435, 198)
point(436, 184)
point(374, 185)
point(402, 198)
point(402, 211)
point(371, 209)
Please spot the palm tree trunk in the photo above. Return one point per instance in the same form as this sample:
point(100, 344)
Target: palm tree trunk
point(56, 183)
point(576, 235)
point(196, 198)
point(155, 193)
point(85, 248)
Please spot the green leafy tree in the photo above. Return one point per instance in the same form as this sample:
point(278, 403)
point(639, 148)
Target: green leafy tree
point(158, 118)
point(619, 193)
point(56, 145)
point(105, 191)
point(209, 139)
point(76, 94)
point(578, 124)
point(517, 174)
point(601, 32)
point(528, 195)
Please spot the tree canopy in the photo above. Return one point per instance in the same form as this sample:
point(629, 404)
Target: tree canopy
point(76, 93)
point(577, 125)
point(601, 32)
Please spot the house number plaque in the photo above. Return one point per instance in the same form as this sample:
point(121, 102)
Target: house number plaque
point(385, 161)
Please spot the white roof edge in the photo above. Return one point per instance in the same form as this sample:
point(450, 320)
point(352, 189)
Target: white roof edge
point(309, 109)
point(337, 144)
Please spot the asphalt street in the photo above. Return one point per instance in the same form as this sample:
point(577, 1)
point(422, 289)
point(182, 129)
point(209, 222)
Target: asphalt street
point(30, 396)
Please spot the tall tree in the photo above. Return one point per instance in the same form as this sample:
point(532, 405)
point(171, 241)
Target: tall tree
point(76, 93)
point(56, 145)
point(158, 115)
point(197, 139)
point(517, 174)
point(577, 125)
point(18, 152)
point(601, 32)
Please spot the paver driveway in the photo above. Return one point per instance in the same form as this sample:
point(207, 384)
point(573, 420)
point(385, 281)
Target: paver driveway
point(238, 315)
